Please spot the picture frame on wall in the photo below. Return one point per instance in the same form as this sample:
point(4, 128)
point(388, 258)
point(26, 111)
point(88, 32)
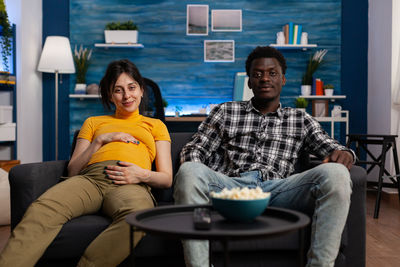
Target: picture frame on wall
point(226, 20)
point(219, 50)
point(197, 20)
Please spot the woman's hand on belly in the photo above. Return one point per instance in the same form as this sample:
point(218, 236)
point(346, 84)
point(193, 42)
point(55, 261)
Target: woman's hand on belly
point(127, 173)
point(116, 137)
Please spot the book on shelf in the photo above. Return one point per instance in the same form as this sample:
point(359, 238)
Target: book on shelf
point(295, 30)
point(291, 26)
point(292, 33)
point(319, 87)
point(299, 31)
point(286, 33)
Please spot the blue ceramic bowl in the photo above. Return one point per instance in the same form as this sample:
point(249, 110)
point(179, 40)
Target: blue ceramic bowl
point(240, 210)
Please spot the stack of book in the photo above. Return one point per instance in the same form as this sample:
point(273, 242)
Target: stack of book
point(6, 78)
point(292, 33)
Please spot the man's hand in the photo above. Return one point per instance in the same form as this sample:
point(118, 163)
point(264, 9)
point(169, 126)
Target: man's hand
point(340, 156)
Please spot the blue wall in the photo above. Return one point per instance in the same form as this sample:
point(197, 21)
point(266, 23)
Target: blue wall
point(55, 22)
point(175, 60)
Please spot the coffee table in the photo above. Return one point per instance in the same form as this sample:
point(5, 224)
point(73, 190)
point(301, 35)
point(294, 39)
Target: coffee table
point(177, 221)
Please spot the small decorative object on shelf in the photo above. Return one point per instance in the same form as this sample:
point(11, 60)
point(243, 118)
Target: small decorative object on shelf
point(92, 89)
point(121, 33)
point(314, 62)
point(178, 110)
point(5, 35)
point(336, 111)
point(304, 38)
point(301, 103)
point(280, 38)
point(305, 90)
point(81, 59)
point(328, 89)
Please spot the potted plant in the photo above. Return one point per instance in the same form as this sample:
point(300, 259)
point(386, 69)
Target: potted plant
point(301, 103)
point(313, 63)
point(5, 35)
point(121, 32)
point(81, 59)
point(328, 89)
point(165, 104)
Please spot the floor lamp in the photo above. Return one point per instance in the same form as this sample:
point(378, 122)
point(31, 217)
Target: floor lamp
point(56, 58)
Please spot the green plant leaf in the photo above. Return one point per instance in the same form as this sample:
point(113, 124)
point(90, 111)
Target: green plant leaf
point(6, 36)
point(122, 26)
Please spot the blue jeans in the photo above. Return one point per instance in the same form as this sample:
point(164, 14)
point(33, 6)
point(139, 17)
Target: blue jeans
point(322, 192)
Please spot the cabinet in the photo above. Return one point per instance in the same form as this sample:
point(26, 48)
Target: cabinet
point(8, 92)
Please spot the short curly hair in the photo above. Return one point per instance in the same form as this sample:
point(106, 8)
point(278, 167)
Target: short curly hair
point(265, 52)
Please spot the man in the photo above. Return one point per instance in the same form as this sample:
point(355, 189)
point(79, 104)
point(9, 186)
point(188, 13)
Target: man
point(256, 143)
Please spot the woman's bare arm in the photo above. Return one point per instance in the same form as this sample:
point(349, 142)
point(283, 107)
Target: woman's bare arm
point(129, 173)
point(84, 149)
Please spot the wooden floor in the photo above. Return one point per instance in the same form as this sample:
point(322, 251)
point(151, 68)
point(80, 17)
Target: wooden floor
point(383, 234)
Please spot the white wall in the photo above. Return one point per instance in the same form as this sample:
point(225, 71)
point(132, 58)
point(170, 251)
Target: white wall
point(379, 66)
point(384, 71)
point(27, 15)
point(395, 121)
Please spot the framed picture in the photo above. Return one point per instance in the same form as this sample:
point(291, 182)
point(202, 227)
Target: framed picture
point(219, 51)
point(197, 20)
point(226, 20)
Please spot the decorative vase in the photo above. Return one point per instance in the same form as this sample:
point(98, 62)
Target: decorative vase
point(92, 89)
point(80, 88)
point(306, 90)
point(121, 37)
point(328, 92)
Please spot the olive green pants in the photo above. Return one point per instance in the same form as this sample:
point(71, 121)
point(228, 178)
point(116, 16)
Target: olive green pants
point(89, 192)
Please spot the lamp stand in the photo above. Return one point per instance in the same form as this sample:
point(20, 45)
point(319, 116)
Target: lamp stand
point(56, 114)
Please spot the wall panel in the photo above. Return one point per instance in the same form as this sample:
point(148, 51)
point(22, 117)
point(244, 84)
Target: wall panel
point(175, 60)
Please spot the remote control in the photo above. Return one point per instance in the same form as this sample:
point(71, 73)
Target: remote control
point(202, 218)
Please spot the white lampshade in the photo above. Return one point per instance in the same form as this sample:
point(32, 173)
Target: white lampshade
point(56, 56)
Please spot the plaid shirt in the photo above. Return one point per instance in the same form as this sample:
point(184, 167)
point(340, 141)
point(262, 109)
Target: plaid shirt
point(237, 138)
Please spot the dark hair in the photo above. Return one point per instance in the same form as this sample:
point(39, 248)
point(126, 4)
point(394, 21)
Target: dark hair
point(265, 52)
point(114, 70)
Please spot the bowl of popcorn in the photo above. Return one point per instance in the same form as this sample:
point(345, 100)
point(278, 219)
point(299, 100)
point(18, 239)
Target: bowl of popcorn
point(240, 204)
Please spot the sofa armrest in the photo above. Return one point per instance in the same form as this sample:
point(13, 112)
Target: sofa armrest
point(29, 181)
point(356, 220)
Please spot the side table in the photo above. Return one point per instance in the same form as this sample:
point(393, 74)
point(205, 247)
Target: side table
point(177, 221)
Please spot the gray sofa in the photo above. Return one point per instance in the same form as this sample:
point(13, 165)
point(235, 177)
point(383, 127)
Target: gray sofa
point(29, 181)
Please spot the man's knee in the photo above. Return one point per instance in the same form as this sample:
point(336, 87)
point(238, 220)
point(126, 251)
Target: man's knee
point(189, 174)
point(336, 178)
point(190, 182)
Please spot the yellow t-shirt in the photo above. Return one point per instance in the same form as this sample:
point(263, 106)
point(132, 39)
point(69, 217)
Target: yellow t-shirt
point(146, 130)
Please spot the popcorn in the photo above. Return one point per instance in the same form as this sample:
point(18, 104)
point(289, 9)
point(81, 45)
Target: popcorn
point(241, 193)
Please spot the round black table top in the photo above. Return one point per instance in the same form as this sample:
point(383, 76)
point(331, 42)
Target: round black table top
point(177, 221)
